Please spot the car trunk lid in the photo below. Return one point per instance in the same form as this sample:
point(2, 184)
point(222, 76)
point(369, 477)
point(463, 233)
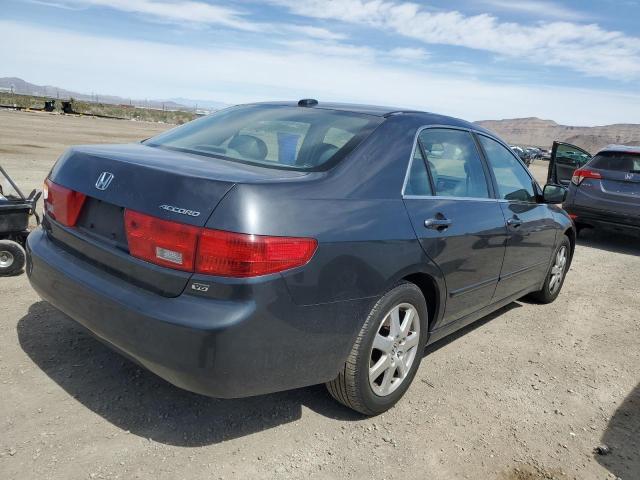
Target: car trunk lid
point(169, 185)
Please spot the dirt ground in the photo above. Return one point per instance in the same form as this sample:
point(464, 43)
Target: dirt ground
point(524, 394)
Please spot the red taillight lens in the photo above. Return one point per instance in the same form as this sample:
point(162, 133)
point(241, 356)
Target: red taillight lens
point(582, 173)
point(169, 244)
point(232, 254)
point(62, 204)
point(213, 252)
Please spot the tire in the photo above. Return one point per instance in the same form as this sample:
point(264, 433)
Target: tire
point(12, 257)
point(353, 387)
point(551, 289)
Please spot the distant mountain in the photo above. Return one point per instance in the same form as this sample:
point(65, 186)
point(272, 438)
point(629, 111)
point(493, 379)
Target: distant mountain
point(542, 133)
point(200, 104)
point(22, 87)
point(519, 131)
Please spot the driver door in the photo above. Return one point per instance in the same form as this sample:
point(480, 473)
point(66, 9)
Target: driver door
point(565, 159)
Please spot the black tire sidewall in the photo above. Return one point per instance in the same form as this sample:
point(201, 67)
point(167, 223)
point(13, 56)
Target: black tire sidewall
point(19, 257)
point(403, 293)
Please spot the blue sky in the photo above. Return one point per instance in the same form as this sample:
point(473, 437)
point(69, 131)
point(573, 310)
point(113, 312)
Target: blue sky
point(575, 62)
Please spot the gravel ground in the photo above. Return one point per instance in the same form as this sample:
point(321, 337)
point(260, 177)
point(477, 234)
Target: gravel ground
point(524, 394)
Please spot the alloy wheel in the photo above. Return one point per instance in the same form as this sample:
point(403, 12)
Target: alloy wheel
point(394, 349)
point(557, 270)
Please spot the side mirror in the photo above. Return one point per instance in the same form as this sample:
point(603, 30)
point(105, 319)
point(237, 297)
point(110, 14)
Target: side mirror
point(554, 193)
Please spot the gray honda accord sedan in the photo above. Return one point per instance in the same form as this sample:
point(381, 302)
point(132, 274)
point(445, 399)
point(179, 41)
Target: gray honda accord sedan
point(277, 245)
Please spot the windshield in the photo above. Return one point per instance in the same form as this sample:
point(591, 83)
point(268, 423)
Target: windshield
point(275, 136)
point(617, 161)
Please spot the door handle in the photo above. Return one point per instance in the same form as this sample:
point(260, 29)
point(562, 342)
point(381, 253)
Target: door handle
point(514, 222)
point(439, 224)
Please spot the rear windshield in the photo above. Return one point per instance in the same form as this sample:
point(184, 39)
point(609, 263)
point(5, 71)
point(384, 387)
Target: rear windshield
point(295, 138)
point(617, 161)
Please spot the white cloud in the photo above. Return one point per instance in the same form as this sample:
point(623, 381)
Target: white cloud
point(328, 49)
point(409, 54)
point(174, 11)
point(538, 8)
point(196, 13)
point(314, 32)
point(143, 69)
point(588, 49)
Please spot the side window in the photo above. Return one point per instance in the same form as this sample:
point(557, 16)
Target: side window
point(418, 182)
point(514, 183)
point(456, 168)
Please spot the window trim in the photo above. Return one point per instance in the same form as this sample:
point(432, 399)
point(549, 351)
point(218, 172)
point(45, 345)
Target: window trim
point(537, 191)
point(491, 186)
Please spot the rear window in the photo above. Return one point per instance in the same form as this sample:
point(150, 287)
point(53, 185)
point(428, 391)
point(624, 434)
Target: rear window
point(617, 161)
point(274, 136)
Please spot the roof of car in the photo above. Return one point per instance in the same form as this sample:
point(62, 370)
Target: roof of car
point(381, 111)
point(621, 148)
point(376, 110)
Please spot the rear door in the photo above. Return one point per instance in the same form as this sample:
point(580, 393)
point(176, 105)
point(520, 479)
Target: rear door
point(618, 191)
point(456, 218)
point(565, 159)
point(531, 226)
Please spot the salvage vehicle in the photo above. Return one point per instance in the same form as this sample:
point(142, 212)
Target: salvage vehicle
point(273, 246)
point(15, 213)
point(604, 190)
point(523, 154)
point(534, 153)
point(545, 154)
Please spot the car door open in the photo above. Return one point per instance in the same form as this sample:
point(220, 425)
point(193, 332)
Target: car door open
point(565, 159)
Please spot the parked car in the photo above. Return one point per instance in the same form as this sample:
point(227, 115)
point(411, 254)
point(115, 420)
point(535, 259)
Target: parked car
point(533, 153)
point(545, 154)
point(522, 154)
point(604, 191)
point(272, 246)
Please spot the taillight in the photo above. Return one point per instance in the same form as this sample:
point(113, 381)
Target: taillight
point(230, 254)
point(62, 204)
point(165, 243)
point(582, 173)
point(213, 252)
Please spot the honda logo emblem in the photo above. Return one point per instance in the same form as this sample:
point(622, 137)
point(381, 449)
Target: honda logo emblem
point(104, 180)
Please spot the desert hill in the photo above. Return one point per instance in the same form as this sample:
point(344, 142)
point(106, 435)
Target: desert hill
point(542, 133)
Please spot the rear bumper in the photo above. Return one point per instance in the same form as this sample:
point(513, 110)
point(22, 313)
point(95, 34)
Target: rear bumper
point(604, 220)
point(227, 348)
